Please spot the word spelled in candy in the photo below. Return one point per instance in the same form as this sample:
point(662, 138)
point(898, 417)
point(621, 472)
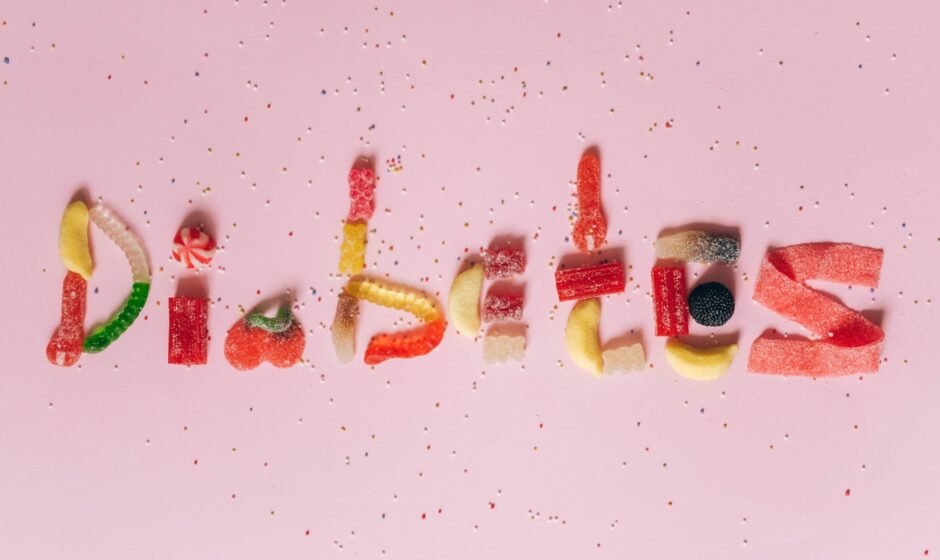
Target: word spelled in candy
point(193, 247)
point(188, 332)
point(590, 228)
point(255, 339)
point(848, 342)
point(590, 281)
point(669, 301)
point(699, 246)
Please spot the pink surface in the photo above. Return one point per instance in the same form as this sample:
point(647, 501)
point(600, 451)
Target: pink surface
point(794, 122)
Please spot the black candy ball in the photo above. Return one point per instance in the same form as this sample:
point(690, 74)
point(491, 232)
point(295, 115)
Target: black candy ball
point(711, 304)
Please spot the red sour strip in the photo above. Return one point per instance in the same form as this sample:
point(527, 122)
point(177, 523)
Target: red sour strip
point(590, 281)
point(417, 342)
point(590, 229)
point(849, 343)
point(669, 301)
point(188, 333)
point(65, 346)
point(361, 194)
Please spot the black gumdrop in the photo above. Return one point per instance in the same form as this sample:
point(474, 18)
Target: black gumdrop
point(711, 304)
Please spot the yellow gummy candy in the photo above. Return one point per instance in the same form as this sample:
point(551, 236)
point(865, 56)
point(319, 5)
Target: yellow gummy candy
point(464, 302)
point(385, 295)
point(352, 252)
point(73, 240)
point(582, 335)
point(700, 364)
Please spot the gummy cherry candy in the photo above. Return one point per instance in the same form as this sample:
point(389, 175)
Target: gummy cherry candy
point(247, 346)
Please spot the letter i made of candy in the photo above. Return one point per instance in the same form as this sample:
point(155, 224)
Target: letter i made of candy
point(188, 333)
point(69, 340)
point(361, 207)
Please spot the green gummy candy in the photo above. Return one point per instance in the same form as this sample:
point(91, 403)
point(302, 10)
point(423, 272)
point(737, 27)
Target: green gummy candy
point(279, 323)
point(103, 336)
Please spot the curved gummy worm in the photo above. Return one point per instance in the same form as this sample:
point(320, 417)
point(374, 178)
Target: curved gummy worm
point(848, 342)
point(103, 336)
point(279, 323)
point(409, 344)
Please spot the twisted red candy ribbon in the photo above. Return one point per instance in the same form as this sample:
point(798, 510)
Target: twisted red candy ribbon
point(848, 342)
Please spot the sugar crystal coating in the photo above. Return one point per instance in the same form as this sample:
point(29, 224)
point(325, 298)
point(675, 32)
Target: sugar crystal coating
point(409, 344)
point(590, 281)
point(188, 340)
point(504, 262)
point(361, 194)
point(65, 346)
point(246, 347)
point(711, 304)
point(699, 246)
point(502, 307)
point(669, 301)
point(352, 251)
point(590, 228)
point(847, 341)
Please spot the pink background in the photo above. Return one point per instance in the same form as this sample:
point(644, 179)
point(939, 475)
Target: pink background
point(797, 121)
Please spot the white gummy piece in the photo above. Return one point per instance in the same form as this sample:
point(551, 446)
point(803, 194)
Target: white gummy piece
point(118, 233)
point(624, 358)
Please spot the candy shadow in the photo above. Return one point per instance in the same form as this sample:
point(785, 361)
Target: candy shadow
point(876, 316)
point(364, 161)
point(193, 287)
point(508, 241)
point(272, 302)
point(710, 340)
point(508, 329)
point(722, 274)
point(200, 219)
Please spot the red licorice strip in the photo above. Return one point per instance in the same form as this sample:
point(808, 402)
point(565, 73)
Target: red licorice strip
point(590, 229)
point(669, 301)
point(188, 333)
point(590, 281)
point(416, 342)
point(65, 346)
point(849, 343)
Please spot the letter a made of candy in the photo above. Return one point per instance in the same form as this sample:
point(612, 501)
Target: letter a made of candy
point(69, 340)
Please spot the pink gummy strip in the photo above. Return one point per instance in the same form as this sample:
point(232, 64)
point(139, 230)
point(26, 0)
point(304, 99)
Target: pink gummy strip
point(850, 342)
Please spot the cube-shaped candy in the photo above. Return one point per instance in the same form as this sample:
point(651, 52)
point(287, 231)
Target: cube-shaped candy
point(503, 262)
point(502, 307)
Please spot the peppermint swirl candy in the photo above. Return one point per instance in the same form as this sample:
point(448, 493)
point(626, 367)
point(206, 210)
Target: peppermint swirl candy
point(193, 247)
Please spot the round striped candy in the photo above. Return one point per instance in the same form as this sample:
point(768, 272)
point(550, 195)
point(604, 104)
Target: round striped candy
point(193, 247)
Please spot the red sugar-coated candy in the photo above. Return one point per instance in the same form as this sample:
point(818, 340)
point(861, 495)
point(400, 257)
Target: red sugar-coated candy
point(503, 262)
point(590, 281)
point(246, 346)
point(65, 346)
point(669, 301)
point(502, 307)
point(590, 229)
point(410, 344)
point(188, 332)
point(849, 343)
point(361, 194)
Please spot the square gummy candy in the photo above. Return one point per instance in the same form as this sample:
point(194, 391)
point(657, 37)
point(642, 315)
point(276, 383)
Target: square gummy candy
point(502, 307)
point(189, 335)
point(503, 262)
